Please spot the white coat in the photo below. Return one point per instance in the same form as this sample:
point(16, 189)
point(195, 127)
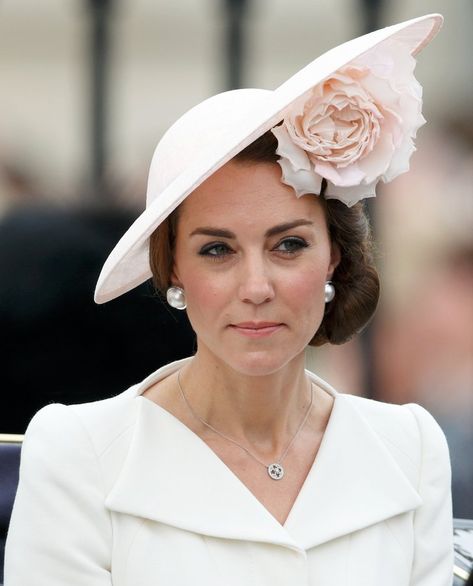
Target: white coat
point(119, 492)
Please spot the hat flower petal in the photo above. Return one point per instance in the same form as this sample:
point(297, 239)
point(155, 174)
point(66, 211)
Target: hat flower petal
point(354, 128)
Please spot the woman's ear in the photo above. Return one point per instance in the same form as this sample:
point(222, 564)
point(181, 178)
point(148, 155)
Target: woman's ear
point(335, 258)
point(174, 279)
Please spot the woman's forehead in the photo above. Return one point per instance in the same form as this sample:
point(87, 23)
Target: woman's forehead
point(250, 193)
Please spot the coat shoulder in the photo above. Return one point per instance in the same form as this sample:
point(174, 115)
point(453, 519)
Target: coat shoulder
point(407, 431)
point(102, 420)
point(108, 420)
point(102, 429)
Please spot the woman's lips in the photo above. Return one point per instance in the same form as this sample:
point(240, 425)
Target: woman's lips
point(256, 329)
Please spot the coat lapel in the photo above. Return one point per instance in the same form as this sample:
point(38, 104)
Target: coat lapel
point(171, 476)
point(353, 483)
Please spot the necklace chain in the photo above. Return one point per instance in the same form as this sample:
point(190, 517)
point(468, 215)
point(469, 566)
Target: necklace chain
point(275, 470)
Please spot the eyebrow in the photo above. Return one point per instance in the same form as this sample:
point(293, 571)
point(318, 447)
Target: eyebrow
point(223, 233)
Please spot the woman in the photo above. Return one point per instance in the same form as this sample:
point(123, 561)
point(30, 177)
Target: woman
point(237, 466)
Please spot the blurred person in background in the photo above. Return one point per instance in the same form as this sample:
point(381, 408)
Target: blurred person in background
point(426, 355)
point(17, 187)
point(237, 465)
point(56, 344)
point(423, 335)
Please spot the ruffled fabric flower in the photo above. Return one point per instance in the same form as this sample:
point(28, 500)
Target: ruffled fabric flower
point(355, 128)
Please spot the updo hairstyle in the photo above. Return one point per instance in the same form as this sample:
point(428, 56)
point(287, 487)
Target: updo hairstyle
point(355, 279)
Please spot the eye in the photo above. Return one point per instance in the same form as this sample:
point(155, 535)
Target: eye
point(215, 250)
point(291, 245)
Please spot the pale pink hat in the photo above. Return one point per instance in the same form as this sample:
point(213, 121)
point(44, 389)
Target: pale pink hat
point(214, 131)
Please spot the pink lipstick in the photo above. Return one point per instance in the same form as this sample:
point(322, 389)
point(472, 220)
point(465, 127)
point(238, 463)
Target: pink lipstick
point(259, 329)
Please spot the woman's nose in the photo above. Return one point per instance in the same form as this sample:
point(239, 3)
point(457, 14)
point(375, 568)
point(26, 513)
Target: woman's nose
point(256, 285)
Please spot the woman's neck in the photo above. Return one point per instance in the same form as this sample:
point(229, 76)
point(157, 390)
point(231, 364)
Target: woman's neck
point(263, 411)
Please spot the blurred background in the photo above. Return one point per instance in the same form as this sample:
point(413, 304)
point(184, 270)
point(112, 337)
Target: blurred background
point(87, 89)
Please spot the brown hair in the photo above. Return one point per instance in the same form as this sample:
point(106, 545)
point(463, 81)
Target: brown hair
point(355, 278)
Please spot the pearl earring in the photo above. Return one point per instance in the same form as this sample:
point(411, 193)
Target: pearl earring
point(176, 297)
point(329, 291)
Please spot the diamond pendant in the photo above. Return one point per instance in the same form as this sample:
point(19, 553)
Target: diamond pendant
point(276, 471)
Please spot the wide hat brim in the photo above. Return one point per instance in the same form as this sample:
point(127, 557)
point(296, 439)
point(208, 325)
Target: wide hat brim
point(128, 264)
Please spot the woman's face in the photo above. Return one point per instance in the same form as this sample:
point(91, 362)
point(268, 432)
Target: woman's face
point(253, 259)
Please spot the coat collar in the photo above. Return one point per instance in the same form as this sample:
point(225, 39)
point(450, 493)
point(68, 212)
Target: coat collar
point(171, 476)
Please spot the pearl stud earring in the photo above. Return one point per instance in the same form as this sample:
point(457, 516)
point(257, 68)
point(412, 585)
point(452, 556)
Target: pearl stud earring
point(329, 291)
point(176, 297)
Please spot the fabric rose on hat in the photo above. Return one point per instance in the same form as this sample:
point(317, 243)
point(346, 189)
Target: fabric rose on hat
point(354, 128)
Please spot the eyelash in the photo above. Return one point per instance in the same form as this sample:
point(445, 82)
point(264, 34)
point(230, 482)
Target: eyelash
point(300, 242)
point(206, 250)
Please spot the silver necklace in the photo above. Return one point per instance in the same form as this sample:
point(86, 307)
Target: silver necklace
point(275, 470)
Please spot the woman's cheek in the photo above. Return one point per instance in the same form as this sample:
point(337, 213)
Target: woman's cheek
point(307, 286)
point(206, 295)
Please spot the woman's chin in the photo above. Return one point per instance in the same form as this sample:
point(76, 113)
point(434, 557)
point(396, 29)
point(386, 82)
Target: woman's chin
point(260, 363)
